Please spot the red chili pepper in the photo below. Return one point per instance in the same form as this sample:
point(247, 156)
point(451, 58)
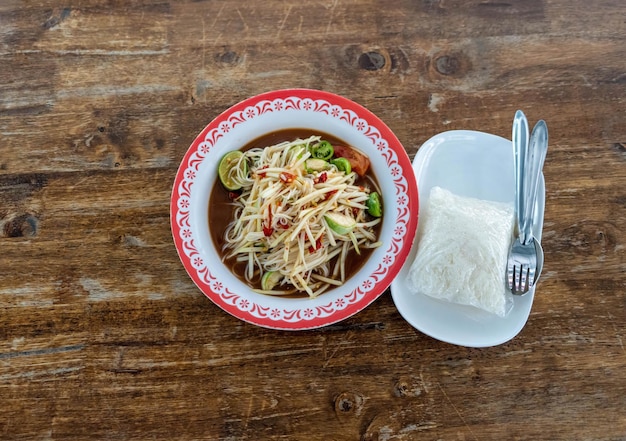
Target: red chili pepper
point(328, 195)
point(321, 178)
point(233, 195)
point(287, 178)
point(318, 245)
point(267, 224)
point(261, 174)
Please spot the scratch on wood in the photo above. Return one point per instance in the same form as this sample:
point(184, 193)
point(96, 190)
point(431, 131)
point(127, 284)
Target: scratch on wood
point(282, 23)
point(234, 360)
point(457, 411)
point(617, 334)
point(428, 425)
point(513, 353)
point(102, 91)
point(344, 327)
point(273, 73)
point(104, 52)
point(294, 414)
point(132, 241)
point(571, 337)
point(424, 385)
point(243, 20)
point(330, 18)
point(217, 37)
point(203, 45)
point(433, 102)
point(119, 365)
point(248, 413)
point(330, 357)
point(126, 371)
point(16, 342)
point(341, 343)
point(42, 351)
point(96, 291)
point(33, 374)
point(217, 16)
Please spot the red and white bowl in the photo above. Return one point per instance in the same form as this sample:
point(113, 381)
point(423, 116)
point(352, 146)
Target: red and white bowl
point(275, 111)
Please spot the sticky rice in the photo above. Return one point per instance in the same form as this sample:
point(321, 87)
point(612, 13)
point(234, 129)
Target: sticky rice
point(462, 251)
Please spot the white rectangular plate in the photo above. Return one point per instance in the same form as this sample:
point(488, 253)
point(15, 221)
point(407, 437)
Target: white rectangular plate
point(471, 164)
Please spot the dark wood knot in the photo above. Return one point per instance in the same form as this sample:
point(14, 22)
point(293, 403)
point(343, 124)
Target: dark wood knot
point(619, 147)
point(56, 19)
point(407, 387)
point(227, 57)
point(401, 389)
point(591, 238)
point(348, 403)
point(371, 61)
point(23, 225)
point(447, 65)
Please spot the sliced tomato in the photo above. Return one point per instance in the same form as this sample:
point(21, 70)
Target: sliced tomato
point(359, 162)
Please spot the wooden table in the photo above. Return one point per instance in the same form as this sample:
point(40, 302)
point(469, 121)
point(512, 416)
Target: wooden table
point(103, 335)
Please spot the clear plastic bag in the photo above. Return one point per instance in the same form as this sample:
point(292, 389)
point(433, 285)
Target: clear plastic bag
point(462, 252)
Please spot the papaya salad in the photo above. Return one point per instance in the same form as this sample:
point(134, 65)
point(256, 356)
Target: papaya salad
point(302, 209)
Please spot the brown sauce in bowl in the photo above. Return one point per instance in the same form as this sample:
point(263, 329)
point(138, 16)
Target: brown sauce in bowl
point(221, 208)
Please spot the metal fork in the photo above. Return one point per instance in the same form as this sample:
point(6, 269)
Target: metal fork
point(522, 266)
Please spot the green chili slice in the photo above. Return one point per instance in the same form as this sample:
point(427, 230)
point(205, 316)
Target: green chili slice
point(342, 164)
point(374, 205)
point(322, 150)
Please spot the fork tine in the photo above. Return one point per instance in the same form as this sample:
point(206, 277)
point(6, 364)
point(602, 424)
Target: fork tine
point(524, 278)
point(531, 276)
point(517, 277)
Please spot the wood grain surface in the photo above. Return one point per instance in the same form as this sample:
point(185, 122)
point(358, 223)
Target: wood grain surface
point(103, 336)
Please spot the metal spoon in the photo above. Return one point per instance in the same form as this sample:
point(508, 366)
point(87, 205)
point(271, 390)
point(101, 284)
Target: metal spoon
point(526, 251)
point(520, 156)
point(539, 250)
point(537, 152)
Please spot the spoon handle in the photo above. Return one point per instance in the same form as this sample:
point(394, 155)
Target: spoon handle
point(538, 149)
point(520, 153)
